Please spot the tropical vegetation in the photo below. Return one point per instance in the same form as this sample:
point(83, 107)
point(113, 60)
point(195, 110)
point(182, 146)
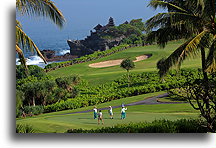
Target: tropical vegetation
point(194, 21)
point(43, 8)
point(63, 94)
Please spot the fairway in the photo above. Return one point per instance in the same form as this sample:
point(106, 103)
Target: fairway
point(107, 74)
point(62, 121)
point(139, 113)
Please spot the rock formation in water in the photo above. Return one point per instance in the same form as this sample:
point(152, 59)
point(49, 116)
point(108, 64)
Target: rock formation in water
point(50, 55)
point(96, 41)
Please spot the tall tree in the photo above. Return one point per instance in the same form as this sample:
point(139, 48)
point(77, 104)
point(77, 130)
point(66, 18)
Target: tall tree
point(44, 8)
point(193, 20)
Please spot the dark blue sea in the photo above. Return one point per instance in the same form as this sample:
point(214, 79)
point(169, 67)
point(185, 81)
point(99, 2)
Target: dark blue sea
point(81, 17)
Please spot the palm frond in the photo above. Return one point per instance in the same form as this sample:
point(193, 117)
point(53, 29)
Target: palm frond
point(174, 20)
point(163, 35)
point(21, 57)
point(164, 65)
point(195, 43)
point(188, 49)
point(201, 4)
point(162, 4)
point(25, 42)
point(18, 24)
point(41, 8)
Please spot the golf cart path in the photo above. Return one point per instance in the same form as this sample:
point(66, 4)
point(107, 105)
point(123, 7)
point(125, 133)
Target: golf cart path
point(148, 101)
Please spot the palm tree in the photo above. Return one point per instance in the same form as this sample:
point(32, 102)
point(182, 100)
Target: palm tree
point(45, 8)
point(194, 21)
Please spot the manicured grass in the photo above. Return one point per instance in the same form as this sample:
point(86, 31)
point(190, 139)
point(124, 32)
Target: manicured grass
point(102, 75)
point(60, 121)
point(170, 99)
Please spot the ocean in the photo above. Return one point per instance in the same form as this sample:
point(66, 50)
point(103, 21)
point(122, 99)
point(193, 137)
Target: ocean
point(81, 17)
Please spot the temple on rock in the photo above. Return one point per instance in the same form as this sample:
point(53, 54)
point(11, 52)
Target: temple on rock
point(95, 41)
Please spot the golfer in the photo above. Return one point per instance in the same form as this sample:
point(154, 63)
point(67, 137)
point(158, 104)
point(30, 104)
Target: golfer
point(123, 113)
point(100, 117)
point(110, 112)
point(95, 112)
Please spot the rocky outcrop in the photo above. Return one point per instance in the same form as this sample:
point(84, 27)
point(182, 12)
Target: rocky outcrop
point(78, 48)
point(50, 56)
point(95, 42)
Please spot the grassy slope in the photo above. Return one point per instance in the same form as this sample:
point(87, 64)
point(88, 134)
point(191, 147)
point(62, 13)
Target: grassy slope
point(102, 75)
point(60, 122)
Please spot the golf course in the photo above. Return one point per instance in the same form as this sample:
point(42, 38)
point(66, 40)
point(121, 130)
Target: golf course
point(138, 111)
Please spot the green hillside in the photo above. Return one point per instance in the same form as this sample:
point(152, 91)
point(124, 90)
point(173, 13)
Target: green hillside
point(102, 75)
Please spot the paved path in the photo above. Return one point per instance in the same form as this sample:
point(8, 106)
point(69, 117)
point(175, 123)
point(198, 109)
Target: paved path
point(149, 101)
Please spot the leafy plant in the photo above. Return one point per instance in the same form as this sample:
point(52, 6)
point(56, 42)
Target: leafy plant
point(127, 64)
point(23, 128)
point(157, 126)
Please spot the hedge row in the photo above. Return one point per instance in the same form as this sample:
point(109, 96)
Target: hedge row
point(147, 82)
point(157, 126)
point(87, 58)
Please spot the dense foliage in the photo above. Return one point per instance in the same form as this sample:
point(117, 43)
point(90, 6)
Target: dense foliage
point(194, 92)
point(143, 83)
point(33, 70)
point(157, 126)
point(46, 94)
point(194, 21)
point(131, 32)
point(35, 91)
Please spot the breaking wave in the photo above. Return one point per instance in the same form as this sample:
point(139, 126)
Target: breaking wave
point(63, 52)
point(33, 60)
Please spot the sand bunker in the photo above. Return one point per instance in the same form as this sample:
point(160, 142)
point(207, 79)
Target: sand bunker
point(116, 62)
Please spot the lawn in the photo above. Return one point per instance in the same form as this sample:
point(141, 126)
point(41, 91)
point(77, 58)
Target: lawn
point(102, 75)
point(61, 121)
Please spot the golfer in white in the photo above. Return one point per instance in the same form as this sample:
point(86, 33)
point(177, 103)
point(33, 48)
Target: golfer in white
point(110, 112)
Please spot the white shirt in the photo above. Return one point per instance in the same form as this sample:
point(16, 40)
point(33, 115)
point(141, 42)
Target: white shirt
point(123, 110)
point(95, 110)
point(100, 114)
point(110, 110)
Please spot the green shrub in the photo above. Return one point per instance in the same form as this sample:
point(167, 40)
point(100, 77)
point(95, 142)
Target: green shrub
point(34, 110)
point(147, 82)
point(157, 126)
point(33, 70)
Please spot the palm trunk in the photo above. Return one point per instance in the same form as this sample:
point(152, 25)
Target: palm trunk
point(205, 76)
point(206, 89)
point(33, 101)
